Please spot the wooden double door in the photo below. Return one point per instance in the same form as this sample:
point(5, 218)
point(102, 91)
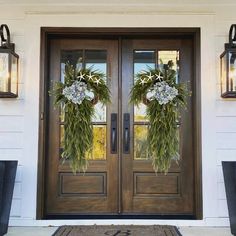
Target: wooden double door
point(120, 180)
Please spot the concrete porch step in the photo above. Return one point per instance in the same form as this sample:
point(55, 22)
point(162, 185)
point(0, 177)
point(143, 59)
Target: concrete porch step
point(186, 231)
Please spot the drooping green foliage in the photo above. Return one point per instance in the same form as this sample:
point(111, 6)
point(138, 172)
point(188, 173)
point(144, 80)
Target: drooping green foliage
point(78, 128)
point(163, 136)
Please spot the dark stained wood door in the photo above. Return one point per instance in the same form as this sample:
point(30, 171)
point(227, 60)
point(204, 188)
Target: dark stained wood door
point(120, 183)
point(95, 191)
point(143, 191)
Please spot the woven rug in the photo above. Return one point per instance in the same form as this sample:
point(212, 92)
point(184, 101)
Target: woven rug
point(117, 230)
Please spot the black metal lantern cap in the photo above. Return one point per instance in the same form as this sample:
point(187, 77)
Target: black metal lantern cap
point(9, 63)
point(228, 66)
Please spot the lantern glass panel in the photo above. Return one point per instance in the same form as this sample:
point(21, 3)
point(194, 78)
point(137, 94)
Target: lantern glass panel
point(4, 72)
point(232, 71)
point(14, 74)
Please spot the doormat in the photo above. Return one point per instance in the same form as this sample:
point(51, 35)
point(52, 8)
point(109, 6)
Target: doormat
point(118, 230)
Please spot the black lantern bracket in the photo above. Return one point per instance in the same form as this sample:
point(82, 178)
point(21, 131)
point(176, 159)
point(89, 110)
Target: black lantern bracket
point(9, 65)
point(6, 38)
point(228, 66)
point(232, 37)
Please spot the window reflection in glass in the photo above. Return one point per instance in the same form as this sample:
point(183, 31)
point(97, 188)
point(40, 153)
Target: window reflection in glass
point(140, 142)
point(97, 60)
point(99, 142)
point(164, 57)
point(62, 135)
point(143, 59)
point(74, 57)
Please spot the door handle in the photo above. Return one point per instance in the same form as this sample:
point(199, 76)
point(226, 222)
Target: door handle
point(113, 133)
point(126, 133)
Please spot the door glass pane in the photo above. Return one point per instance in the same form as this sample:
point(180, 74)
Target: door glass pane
point(143, 59)
point(140, 142)
point(62, 133)
point(97, 60)
point(74, 57)
point(165, 57)
point(99, 142)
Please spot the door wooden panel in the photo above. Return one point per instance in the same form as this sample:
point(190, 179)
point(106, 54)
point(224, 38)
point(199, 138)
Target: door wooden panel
point(120, 181)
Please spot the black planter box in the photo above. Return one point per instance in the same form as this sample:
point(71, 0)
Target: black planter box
point(229, 170)
point(7, 181)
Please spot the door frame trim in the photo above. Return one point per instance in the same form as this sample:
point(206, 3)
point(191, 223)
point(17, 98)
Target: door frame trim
point(48, 33)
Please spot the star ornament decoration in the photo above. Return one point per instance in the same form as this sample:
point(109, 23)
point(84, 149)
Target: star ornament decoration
point(159, 77)
point(143, 80)
point(81, 76)
point(90, 76)
point(97, 80)
point(149, 77)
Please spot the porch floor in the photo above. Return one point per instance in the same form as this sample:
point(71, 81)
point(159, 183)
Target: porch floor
point(186, 231)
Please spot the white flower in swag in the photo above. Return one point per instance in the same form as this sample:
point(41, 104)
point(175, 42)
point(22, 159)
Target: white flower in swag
point(162, 92)
point(77, 92)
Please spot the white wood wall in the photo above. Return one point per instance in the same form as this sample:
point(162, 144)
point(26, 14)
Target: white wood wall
point(19, 117)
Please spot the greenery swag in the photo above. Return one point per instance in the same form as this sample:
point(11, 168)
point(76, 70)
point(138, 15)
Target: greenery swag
point(81, 90)
point(163, 96)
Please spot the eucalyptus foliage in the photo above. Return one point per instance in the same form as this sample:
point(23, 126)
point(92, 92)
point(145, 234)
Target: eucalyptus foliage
point(78, 128)
point(162, 138)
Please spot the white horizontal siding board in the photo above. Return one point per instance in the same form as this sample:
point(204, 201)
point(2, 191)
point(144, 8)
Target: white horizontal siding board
point(19, 41)
point(222, 208)
point(11, 123)
point(16, 208)
point(21, 69)
point(21, 91)
point(226, 124)
point(220, 41)
point(12, 13)
point(11, 107)
point(11, 140)
point(18, 174)
point(220, 177)
point(224, 23)
point(17, 194)
point(11, 154)
point(221, 191)
point(225, 155)
point(16, 26)
point(218, 91)
point(225, 107)
point(226, 140)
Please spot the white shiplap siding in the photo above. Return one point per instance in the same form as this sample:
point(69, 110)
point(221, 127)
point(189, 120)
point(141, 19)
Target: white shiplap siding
point(12, 111)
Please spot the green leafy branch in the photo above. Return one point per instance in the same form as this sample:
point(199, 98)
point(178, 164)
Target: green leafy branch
point(78, 128)
point(163, 135)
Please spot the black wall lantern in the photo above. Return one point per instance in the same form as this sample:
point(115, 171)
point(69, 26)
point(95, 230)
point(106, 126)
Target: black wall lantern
point(8, 65)
point(228, 66)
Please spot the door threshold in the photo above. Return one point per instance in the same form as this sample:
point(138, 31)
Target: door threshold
point(121, 216)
